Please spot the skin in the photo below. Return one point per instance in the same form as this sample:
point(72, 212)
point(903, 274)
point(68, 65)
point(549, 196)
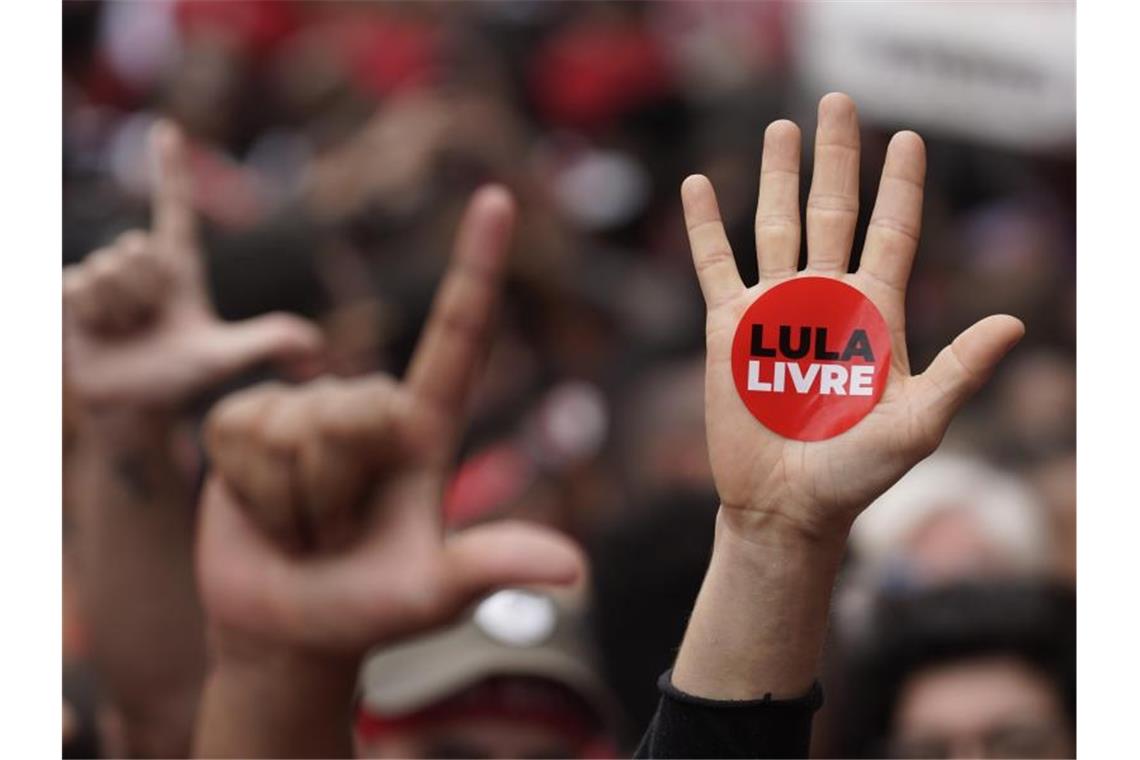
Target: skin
point(140, 341)
point(960, 704)
point(787, 506)
point(139, 329)
point(321, 530)
point(321, 533)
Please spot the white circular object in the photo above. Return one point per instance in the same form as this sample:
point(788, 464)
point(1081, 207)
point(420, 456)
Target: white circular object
point(602, 189)
point(517, 618)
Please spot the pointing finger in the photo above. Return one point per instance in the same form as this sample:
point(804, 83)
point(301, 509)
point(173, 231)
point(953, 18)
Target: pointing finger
point(173, 201)
point(443, 367)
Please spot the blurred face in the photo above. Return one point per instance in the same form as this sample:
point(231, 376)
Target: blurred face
point(950, 545)
point(471, 738)
point(995, 707)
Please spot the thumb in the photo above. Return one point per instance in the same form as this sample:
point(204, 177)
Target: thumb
point(966, 364)
point(508, 553)
point(294, 343)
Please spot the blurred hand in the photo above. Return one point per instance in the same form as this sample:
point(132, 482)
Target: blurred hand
point(321, 527)
point(767, 482)
point(139, 329)
point(386, 162)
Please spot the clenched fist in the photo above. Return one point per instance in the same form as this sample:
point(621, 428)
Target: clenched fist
point(139, 329)
point(321, 526)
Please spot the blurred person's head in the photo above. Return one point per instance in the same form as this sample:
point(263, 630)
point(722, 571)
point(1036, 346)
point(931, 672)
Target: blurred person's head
point(1055, 480)
point(663, 436)
point(970, 670)
point(1018, 256)
point(514, 678)
point(951, 517)
point(640, 608)
point(1036, 405)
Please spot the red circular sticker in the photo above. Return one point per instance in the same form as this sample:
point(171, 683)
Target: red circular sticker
point(810, 358)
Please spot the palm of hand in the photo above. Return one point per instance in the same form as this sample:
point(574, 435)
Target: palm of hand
point(806, 482)
point(819, 487)
point(170, 359)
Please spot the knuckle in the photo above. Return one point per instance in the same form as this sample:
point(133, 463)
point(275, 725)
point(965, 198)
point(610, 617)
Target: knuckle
point(75, 281)
point(968, 377)
point(283, 423)
point(95, 262)
point(132, 241)
point(713, 258)
point(275, 442)
point(832, 203)
point(777, 222)
point(237, 412)
point(908, 181)
point(779, 175)
point(462, 325)
point(323, 389)
point(336, 429)
point(359, 417)
point(106, 268)
point(895, 228)
point(425, 600)
point(378, 388)
point(221, 423)
point(707, 227)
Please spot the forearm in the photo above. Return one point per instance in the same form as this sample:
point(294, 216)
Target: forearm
point(270, 702)
point(760, 619)
point(132, 540)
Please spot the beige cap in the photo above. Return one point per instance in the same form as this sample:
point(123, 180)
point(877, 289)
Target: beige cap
point(513, 632)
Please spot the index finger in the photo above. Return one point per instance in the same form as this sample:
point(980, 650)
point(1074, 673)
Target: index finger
point(172, 201)
point(443, 367)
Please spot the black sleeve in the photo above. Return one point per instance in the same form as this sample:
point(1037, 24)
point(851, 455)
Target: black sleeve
point(688, 726)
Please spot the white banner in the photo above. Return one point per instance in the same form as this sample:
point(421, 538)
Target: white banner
point(1003, 73)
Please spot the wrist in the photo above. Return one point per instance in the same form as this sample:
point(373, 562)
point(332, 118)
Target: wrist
point(781, 531)
point(264, 699)
point(775, 554)
point(254, 659)
point(127, 427)
point(761, 617)
point(291, 680)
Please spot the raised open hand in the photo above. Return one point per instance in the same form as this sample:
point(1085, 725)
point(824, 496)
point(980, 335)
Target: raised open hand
point(322, 526)
point(819, 487)
point(139, 328)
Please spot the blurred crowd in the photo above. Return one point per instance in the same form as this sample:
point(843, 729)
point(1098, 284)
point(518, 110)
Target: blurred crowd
point(334, 145)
